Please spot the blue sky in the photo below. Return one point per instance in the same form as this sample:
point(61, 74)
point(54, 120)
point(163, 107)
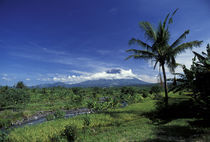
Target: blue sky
point(44, 41)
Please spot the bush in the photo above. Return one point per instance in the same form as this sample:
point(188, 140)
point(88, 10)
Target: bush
point(50, 117)
point(56, 138)
point(70, 132)
point(128, 91)
point(13, 96)
point(20, 85)
point(5, 123)
point(3, 136)
point(156, 90)
point(59, 114)
point(86, 121)
point(144, 92)
point(137, 98)
point(90, 104)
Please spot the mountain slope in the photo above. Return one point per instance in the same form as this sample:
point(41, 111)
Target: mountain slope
point(99, 83)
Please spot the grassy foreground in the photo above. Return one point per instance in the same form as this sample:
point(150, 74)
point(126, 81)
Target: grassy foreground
point(125, 124)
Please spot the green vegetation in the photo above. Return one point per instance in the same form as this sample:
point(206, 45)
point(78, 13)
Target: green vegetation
point(25, 103)
point(158, 48)
point(143, 121)
point(196, 81)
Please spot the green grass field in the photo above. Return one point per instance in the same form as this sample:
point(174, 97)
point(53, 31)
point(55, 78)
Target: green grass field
point(132, 123)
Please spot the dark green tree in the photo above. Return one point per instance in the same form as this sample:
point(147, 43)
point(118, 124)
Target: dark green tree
point(196, 80)
point(155, 89)
point(20, 85)
point(158, 48)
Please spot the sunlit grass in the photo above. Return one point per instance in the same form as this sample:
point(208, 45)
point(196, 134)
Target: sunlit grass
point(101, 121)
point(122, 124)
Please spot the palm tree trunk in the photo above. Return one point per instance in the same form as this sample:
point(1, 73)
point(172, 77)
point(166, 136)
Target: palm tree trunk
point(165, 86)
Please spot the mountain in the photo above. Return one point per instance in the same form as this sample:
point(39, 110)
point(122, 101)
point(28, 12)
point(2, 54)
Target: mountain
point(52, 85)
point(99, 83)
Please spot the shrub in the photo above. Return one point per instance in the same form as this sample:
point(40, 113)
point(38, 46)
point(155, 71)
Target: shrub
point(144, 92)
point(137, 98)
point(26, 114)
point(86, 121)
point(13, 96)
point(128, 91)
point(59, 114)
point(156, 90)
point(76, 99)
point(3, 136)
point(90, 104)
point(50, 117)
point(20, 85)
point(56, 138)
point(70, 132)
point(5, 123)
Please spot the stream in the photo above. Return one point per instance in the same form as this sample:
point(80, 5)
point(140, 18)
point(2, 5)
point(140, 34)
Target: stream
point(42, 118)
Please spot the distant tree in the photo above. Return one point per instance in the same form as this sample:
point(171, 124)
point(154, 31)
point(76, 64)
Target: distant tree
point(127, 91)
point(76, 90)
point(13, 96)
point(155, 89)
point(158, 48)
point(20, 85)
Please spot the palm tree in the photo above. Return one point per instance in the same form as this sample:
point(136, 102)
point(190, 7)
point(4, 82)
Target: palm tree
point(158, 49)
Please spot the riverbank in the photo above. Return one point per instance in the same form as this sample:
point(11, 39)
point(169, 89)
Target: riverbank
point(40, 117)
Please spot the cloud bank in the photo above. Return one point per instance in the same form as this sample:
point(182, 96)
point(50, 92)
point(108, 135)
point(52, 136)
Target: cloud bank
point(108, 74)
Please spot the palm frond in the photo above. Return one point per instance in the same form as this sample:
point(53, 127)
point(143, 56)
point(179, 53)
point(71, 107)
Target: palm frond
point(149, 31)
point(172, 64)
point(155, 64)
point(171, 18)
point(139, 42)
point(164, 23)
point(163, 36)
point(180, 39)
point(185, 46)
point(140, 54)
point(138, 57)
point(200, 57)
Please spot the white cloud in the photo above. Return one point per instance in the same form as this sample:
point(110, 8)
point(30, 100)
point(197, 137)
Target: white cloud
point(5, 78)
point(28, 79)
point(110, 74)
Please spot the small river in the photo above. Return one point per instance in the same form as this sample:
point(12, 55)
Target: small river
point(39, 120)
point(69, 114)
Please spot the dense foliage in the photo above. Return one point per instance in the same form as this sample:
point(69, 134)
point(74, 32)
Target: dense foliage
point(197, 80)
point(22, 102)
point(11, 96)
